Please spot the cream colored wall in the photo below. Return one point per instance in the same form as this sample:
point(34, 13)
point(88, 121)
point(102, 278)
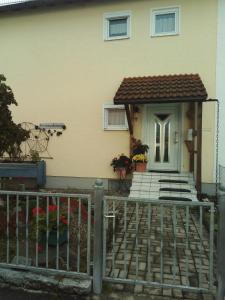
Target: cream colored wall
point(61, 70)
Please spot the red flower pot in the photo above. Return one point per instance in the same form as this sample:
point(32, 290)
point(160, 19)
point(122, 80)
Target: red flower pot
point(140, 166)
point(121, 172)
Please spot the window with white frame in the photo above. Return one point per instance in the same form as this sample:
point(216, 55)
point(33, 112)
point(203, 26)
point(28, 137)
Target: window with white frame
point(117, 25)
point(114, 117)
point(165, 21)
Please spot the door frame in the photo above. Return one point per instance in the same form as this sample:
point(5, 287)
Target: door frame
point(180, 121)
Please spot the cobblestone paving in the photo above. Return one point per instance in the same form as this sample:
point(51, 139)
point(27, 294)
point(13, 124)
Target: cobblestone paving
point(172, 249)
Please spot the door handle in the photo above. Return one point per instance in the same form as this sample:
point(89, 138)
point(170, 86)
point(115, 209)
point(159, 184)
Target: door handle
point(176, 137)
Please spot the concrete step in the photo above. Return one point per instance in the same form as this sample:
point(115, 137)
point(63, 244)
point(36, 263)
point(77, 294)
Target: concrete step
point(157, 186)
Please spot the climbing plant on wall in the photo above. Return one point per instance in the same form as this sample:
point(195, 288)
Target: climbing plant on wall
point(11, 134)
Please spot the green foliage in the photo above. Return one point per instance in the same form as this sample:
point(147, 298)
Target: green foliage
point(11, 134)
point(138, 147)
point(122, 161)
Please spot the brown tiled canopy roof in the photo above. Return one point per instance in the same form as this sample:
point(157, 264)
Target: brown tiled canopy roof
point(161, 89)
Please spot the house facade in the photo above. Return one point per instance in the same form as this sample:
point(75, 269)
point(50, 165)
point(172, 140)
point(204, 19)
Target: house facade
point(66, 64)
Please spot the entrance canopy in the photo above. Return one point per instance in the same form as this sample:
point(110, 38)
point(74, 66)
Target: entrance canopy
point(161, 89)
point(181, 88)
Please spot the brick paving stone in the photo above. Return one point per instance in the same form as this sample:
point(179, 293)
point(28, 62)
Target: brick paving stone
point(177, 293)
point(138, 289)
point(208, 297)
point(167, 292)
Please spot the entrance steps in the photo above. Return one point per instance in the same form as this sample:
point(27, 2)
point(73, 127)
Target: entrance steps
point(163, 186)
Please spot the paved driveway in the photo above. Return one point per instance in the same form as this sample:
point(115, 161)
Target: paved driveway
point(160, 245)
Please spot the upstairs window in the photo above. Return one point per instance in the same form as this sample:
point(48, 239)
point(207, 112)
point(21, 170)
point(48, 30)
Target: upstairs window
point(114, 117)
point(117, 26)
point(165, 22)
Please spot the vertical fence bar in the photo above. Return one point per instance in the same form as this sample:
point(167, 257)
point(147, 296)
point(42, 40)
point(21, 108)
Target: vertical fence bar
point(105, 227)
point(113, 241)
point(17, 229)
point(89, 235)
point(27, 230)
point(68, 235)
point(149, 240)
point(57, 246)
point(47, 230)
point(136, 240)
point(221, 247)
point(78, 235)
point(174, 241)
point(37, 231)
point(211, 245)
point(200, 246)
point(7, 229)
point(161, 242)
point(187, 216)
point(125, 239)
point(98, 216)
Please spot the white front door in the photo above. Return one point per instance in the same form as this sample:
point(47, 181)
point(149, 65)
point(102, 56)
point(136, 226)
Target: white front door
point(162, 134)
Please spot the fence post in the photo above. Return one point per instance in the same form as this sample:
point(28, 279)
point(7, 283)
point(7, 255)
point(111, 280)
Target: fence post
point(221, 250)
point(98, 236)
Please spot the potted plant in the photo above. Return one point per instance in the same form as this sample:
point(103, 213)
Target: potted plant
point(139, 156)
point(122, 165)
point(12, 136)
point(140, 162)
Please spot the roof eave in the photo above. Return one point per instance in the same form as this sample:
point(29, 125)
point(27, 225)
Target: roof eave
point(160, 100)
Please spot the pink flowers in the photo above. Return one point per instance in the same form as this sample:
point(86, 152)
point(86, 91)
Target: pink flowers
point(40, 248)
point(63, 220)
point(37, 210)
point(52, 208)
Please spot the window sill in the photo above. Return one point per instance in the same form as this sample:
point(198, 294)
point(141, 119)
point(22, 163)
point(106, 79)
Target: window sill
point(164, 34)
point(116, 129)
point(116, 38)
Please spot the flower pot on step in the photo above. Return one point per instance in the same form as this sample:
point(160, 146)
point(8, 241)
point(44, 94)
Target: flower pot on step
point(121, 172)
point(140, 166)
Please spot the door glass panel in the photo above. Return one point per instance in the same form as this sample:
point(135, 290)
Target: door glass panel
point(166, 141)
point(162, 137)
point(157, 141)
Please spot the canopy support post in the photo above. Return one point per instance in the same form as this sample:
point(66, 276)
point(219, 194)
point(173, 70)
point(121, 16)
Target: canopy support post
point(199, 148)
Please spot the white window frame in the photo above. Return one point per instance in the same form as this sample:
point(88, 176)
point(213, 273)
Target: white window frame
point(106, 126)
point(113, 16)
point(161, 11)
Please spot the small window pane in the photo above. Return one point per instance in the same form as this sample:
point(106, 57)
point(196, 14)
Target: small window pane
point(118, 27)
point(165, 23)
point(116, 117)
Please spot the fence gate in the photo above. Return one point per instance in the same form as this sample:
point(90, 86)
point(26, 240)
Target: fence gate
point(158, 243)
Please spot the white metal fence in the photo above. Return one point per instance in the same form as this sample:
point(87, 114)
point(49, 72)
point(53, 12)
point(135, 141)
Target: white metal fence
point(50, 231)
point(163, 243)
point(159, 243)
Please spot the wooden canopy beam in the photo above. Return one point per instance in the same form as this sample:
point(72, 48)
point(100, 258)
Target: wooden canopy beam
point(129, 119)
point(199, 148)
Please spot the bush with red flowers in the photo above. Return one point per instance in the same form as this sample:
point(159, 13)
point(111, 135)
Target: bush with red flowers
point(43, 219)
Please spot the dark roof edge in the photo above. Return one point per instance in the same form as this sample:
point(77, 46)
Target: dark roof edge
point(154, 101)
point(34, 4)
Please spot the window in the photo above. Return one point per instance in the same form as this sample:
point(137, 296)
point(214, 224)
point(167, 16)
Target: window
point(117, 26)
point(114, 117)
point(165, 21)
